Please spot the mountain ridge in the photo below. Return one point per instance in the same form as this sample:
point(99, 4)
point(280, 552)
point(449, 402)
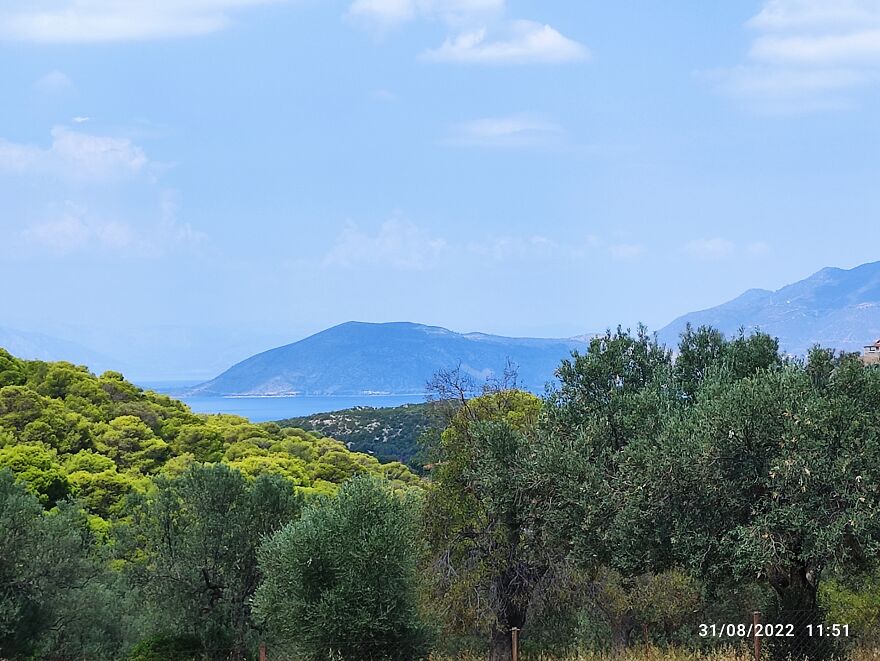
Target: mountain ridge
point(837, 308)
point(386, 358)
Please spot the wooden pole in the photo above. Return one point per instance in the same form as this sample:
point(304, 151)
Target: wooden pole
point(514, 644)
point(756, 620)
point(262, 651)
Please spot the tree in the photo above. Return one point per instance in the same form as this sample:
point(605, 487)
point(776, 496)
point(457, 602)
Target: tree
point(37, 467)
point(619, 391)
point(705, 350)
point(341, 581)
point(131, 444)
point(55, 589)
point(486, 565)
point(199, 534)
point(774, 475)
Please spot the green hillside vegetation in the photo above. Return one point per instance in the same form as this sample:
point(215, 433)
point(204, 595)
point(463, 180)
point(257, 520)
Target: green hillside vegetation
point(650, 495)
point(68, 433)
point(389, 434)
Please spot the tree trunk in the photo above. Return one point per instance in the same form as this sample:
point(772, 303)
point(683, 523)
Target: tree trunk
point(621, 628)
point(796, 604)
point(500, 648)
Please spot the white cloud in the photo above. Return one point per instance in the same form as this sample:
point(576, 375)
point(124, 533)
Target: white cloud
point(521, 42)
point(718, 248)
point(808, 54)
point(79, 228)
point(514, 247)
point(87, 192)
point(385, 14)
point(74, 155)
point(398, 244)
point(811, 14)
point(626, 251)
point(758, 249)
point(76, 21)
point(482, 34)
point(76, 229)
point(860, 47)
point(511, 131)
point(715, 248)
point(54, 82)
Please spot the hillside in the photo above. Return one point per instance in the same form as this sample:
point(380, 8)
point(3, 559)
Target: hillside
point(66, 432)
point(395, 358)
point(834, 307)
point(390, 434)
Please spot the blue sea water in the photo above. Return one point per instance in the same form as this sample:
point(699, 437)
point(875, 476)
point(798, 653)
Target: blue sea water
point(264, 409)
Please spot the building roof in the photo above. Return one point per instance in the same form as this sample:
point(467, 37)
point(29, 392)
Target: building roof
point(875, 345)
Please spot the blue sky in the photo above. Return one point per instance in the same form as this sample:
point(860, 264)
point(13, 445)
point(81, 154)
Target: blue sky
point(184, 182)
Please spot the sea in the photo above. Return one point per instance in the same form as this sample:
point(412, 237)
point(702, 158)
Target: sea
point(266, 409)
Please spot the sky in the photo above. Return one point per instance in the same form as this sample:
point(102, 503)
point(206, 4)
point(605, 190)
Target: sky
point(186, 182)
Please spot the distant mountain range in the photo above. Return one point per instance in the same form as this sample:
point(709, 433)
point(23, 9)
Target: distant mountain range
point(36, 346)
point(358, 358)
point(836, 308)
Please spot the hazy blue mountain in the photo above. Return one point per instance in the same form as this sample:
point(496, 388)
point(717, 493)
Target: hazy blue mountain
point(36, 346)
point(834, 307)
point(393, 358)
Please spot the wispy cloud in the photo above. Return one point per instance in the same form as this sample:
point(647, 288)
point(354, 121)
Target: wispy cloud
point(627, 251)
point(518, 42)
point(808, 54)
point(716, 248)
point(54, 82)
point(502, 248)
point(87, 229)
point(74, 231)
point(386, 14)
point(480, 32)
point(398, 243)
point(74, 155)
point(88, 192)
point(510, 131)
point(78, 21)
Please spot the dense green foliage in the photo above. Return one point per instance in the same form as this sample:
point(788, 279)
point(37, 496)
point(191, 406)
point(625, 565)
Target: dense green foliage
point(341, 581)
point(128, 523)
point(650, 491)
point(57, 595)
point(474, 520)
point(389, 434)
point(66, 432)
point(198, 536)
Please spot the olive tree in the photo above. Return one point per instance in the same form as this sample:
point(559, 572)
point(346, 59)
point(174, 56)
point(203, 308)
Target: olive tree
point(199, 535)
point(340, 582)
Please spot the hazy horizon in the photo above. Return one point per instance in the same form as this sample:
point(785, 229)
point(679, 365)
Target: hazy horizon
point(185, 184)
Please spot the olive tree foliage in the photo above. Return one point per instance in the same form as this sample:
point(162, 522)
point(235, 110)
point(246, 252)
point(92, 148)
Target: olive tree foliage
point(619, 390)
point(56, 592)
point(341, 582)
point(486, 571)
point(775, 476)
point(197, 565)
point(625, 390)
point(601, 427)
